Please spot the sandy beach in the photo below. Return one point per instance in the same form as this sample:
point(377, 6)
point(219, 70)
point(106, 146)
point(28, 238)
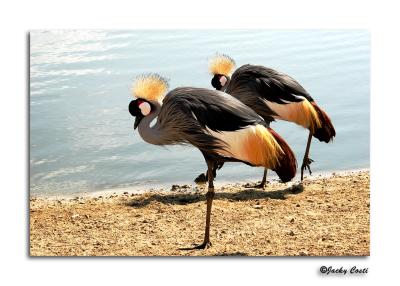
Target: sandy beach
point(323, 216)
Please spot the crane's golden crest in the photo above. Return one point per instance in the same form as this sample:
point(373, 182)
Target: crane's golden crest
point(221, 64)
point(151, 87)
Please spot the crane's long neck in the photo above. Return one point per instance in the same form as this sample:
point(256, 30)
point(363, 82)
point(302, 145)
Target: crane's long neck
point(150, 134)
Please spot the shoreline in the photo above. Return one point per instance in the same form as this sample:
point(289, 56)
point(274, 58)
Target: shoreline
point(323, 216)
point(192, 187)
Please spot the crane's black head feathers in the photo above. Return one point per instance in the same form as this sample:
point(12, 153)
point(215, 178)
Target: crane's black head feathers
point(215, 82)
point(135, 110)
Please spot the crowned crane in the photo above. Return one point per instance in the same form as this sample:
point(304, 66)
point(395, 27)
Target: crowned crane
point(219, 125)
point(272, 95)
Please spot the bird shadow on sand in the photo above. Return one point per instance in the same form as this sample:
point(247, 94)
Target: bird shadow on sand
point(231, 254)
point(243, 195)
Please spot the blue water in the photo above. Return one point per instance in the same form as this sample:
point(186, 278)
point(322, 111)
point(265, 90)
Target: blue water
point(81, 133)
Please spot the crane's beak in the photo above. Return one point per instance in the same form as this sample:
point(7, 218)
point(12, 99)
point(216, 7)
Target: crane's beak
point(138, 118)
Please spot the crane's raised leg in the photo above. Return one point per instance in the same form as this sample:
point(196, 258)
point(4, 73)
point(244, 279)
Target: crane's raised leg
point(203, 177)
point(307, 161)
point(210, 196)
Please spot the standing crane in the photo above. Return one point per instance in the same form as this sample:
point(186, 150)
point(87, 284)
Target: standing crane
point(272, 95)
point(219, 125)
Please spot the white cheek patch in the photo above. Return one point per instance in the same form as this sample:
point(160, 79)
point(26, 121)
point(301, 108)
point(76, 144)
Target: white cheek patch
point(145, 108)
point(223, 80)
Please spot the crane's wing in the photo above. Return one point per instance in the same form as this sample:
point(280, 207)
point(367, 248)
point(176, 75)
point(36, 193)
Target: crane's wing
point(188, 114)
point(223, 127)
point(274, 94)
point(268, 84)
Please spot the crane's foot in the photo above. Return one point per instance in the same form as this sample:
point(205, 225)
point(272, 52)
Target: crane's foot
point(261, 185)
point(256, 186)
point(204, 245)
point(201, 179)
point(306, 165)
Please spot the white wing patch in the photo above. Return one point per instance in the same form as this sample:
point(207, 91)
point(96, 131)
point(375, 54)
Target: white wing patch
point(194, 116)
point(253, 144)
point(302, 113)
point(234, 141)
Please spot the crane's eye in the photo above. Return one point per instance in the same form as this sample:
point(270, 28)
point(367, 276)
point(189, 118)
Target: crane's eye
point(145, 108)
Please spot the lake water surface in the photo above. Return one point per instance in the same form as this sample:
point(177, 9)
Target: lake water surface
point(81, 133)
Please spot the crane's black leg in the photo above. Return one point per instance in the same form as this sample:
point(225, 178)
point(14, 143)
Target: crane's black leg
point(264, 179)
point(306, 160)
point(211, 172)
point(263, 182)
point(210, 196)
